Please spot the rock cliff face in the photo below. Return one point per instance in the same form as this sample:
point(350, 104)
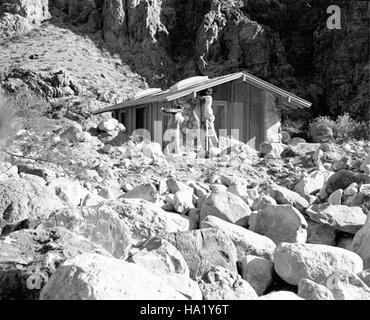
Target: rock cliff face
point(285, 42)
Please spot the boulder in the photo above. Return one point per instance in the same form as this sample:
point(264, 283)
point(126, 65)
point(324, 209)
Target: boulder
point(346, 285)
point(361, 243)
point(242, 192)
point(203, 249)
point(183, 201)
point(21, 199)
point(160, 257)
point(297, 261)
point(245, 241)
point(69, 191)
point(344, 178)
point(283, 195)
point(259, 272)
point(309, 290)
point(95, 277)
point(262, 202)
point(72, 133)
point(183, 284)
point(176, 186)
point(219, 283)
point(343, 218)
point(313, 182)
point(108, 125)
point(99, 225)
point(365, 276)
point(281, 223)
point(146, 192)
point(29, 257)
point(271, 150)
point(281, 295)
point(319, 233)
point(145, 220)
point(336, 197)
point(224, 205)
point(13, 25)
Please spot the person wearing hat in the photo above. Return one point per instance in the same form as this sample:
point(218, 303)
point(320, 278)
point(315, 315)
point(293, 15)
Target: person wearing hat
point(207, 100)
point(174, 127)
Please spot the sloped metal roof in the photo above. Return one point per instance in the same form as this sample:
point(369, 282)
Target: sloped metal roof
point(290, 100)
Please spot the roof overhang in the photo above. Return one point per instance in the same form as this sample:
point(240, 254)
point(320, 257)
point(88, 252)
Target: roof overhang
point(286, 98)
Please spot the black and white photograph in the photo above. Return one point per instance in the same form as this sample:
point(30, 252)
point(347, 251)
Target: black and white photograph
point(185, 155)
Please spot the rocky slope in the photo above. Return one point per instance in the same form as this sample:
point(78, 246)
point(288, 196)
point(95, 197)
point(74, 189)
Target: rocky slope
point(283, 41)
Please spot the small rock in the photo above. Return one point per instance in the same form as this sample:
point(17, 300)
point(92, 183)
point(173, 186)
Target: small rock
point(336, 197)
point(351, 190)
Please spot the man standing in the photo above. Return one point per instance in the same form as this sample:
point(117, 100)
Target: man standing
point(208, 118)
point(173, 129)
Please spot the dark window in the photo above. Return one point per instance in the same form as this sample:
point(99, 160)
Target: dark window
point(140, 118)
point(122, 118)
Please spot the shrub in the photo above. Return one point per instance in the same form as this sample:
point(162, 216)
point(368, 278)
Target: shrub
point(345, 128)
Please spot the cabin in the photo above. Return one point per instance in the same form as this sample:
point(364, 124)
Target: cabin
point(242, 104)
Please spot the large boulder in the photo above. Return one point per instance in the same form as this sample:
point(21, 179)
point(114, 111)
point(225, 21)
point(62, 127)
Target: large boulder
point(146, 192)
point(13, 25)
point(35, 11)
point(259, 272)
point(281, 223)
point(343, 218)
point(221, 284)
point(29, 257)
point(145, 220)
point(346, 285)
point(69, 191)
point(203, 249)
point(320, 233)
point(361, 243)
point(296, 261)
point(95, 277)
point(245, 241)
point(309, 290)
point(283, 195)
point(313, 182)
point(160, 257)
point(342, 179)
point(224, 205)
point(99, 225)
point(21, 199)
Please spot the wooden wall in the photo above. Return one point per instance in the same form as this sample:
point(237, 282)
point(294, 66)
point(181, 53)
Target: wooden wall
point(243, 109)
